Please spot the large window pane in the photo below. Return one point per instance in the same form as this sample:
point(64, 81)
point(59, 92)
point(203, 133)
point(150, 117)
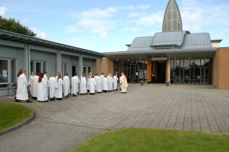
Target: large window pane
point(3, 71)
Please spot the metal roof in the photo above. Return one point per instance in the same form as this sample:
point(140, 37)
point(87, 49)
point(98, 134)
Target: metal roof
point(169, 38)
point(11, 36)
point(197, 40)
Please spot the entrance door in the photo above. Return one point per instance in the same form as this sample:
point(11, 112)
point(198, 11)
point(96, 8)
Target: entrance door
point(159, 72)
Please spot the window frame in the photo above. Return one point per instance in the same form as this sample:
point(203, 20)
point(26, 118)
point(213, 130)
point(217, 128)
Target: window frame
point(8, 71)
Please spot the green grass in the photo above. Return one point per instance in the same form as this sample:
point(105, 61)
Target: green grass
point(150, 140)
point(12, 114)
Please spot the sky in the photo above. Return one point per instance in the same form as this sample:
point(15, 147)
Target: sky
point(108, 25)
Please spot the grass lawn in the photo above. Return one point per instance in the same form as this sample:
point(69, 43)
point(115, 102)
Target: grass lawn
point(151, 140)
point(12, 114)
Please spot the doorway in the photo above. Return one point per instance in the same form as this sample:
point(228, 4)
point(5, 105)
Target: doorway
point(159, 72)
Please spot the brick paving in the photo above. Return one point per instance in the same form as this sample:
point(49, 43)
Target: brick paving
point(62, 125)
point(178, 107)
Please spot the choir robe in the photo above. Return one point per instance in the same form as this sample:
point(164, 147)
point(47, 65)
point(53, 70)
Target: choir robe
point(123, 83)
point(98, 84)
point(92, 85)
point(42, 88)
point(59, 89)
point(105, 84)
point(46, 88)
point(83, 85)
point(22, 93)
point(35, 85)
point(66, 85)
point(75, 85)
point(110, 83)
point(102, 84)
point(115, 82)
point(31, 81)
point(88, 83)
point(52, 83)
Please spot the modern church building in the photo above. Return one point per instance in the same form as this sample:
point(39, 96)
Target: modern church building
point(173, 55)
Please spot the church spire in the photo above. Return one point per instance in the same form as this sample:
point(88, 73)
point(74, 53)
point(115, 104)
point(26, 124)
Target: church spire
point(172, 18)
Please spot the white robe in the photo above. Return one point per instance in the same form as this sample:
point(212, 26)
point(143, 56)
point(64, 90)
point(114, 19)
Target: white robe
point(22, 93)
point(31, 81)
point(42, 88)
point(115, 82)
point(59, 89)
point(88, 83)
point(46, 88)
point(102, 82)
point(110, 83)
point(92, 85)
point(83, 85)
point(105, 84)
point(66, 85)
point(98, 83)
point(52, 83)
point(123, 83)
point(35, 85)
point(75, 85)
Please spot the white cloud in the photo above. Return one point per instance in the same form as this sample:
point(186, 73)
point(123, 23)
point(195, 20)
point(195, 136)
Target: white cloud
point(131, 29)
point(2, 10)
point(39, 33)
point(137, 7)
point(196, 15)
point(151, 19)
point(98, 13)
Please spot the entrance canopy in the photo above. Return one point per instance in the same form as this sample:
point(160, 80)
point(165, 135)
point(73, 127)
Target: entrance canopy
point(168, 53)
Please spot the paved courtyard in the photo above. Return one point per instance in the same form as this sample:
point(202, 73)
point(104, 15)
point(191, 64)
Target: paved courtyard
point(70, 122)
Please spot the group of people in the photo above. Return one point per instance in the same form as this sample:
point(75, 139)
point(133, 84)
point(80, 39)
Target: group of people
point(44, 89)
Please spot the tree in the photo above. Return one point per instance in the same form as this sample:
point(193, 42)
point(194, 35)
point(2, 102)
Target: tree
point(10, 24)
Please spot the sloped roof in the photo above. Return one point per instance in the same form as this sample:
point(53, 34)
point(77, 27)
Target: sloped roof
point(169, 38)
point(180, 40)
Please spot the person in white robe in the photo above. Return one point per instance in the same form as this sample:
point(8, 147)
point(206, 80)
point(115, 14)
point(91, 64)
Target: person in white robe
point(66, 85)
point(102, 80)
point(22, 84)
point(75, 84)
point(110, 82)
point(115, 82)
point(98, 84)
point(42, 88)
point(52, 84)
point(59, 87)
point(46, 88)
point(123, 83)
point(31, 81)
point(92, 85)
point(35, 85)
point(83, 85)
point(88, 82)
point(105, 84)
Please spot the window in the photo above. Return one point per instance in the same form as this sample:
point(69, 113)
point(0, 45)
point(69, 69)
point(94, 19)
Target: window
point(4, 71)
point(38, 66)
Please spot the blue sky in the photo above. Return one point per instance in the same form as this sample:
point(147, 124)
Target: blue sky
point(107, 25)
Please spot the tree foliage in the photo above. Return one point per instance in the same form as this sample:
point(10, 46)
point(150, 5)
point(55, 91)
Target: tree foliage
point(10, 24)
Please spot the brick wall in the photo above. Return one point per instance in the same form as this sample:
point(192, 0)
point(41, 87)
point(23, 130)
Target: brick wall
point(221, 69)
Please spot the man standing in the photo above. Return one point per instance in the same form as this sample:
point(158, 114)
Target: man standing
point(22, 84)
point(35, 85)
point(92, 85)
point(46, 84)
point(98, 84)
point(102, 80)
point(110, 82)
point(115, 82)
point(66, 85)
point(105, 84)
point(75, 84)
point(52, 83)
point(123, 83)
point(31, 82)
point(83, 85)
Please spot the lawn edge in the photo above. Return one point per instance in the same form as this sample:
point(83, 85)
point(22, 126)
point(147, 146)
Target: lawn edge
point(8, 130)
